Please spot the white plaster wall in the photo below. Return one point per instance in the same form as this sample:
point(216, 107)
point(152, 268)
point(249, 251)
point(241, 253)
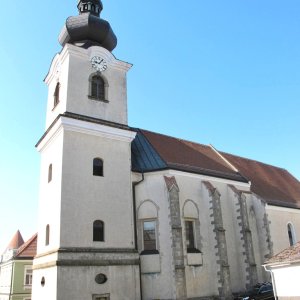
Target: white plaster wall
point(201, 281)
point(5, 277)
point(72, 68)
point(49, 290)
point(86, 198)
point(279, 218)
point(50, 193)
point(287, 281)
point(158, 285)
point(122, 283)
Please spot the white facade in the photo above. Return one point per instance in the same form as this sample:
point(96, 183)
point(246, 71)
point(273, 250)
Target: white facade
point(72, 198)
point(286, 280)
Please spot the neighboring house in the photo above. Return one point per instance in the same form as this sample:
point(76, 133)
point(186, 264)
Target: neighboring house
point(128, 214)
point(285, 270)
point(16, 269)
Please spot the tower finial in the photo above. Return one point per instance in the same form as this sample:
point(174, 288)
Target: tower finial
point(93, 7)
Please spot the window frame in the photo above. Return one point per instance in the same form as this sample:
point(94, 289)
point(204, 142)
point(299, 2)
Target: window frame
point(102, 234)
point(98, 170)
point(50, 173)
point(149, 251)
point(291, 234)
point(26, 269)
point(104, 296)
point(56, 95)
point(105, 88)
point(47, 237)
point(194, 246)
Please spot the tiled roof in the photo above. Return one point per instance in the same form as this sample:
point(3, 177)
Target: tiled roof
point(291, 254)
point(275, 185)
point(28, 249)
point(16, 241)
point(153, 151)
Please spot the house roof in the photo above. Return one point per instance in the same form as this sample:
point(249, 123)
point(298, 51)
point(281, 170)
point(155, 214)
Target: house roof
point(153, 151)
point(28, 249)
point(291, 254)
point(16, 241)
point(275, 185)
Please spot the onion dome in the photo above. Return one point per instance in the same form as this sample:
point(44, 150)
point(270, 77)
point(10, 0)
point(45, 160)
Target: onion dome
point(88, 29)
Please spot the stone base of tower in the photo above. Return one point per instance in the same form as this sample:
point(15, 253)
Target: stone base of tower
point(106, 274)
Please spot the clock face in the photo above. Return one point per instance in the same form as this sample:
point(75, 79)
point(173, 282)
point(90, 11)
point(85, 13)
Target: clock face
point(99, 63)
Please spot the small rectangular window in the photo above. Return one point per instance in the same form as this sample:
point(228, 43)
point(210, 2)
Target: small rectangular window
point(149, 235)
point(28, 276)
point(189, 235)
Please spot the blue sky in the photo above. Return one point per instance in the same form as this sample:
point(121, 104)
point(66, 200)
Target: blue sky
point(219, 72)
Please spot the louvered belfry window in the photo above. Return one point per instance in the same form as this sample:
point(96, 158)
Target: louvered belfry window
point(97, 88)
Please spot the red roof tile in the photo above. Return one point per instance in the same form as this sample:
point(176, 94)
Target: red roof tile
point(16, 241)
point(28, 249)
point(275, 185)
point(288, 255)
point(189, 156)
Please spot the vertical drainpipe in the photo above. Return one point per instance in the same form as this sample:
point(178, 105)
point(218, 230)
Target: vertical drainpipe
point(134, 185)
point(273, 280)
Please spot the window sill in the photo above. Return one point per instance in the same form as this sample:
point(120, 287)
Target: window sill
point(98, 99)
point(195, 259)
point(193, 250)
point(27, 287)
point(149, 252)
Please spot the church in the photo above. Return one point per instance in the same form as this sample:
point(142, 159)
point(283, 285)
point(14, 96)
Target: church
point(129, 214)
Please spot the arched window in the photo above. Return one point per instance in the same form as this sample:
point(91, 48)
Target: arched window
point(97, 87)
point(291, 234)
point(98, 231)
point(56, 94)
point(47, 235)
point(50, 173)
point(98, 167)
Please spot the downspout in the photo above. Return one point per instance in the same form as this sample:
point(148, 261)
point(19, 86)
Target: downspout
point(134, 185)
point(273, 280)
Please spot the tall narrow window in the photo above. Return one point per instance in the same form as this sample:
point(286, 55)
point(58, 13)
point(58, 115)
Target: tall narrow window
point(98, 231)
point(149, 235)
point(97, 167)
point(28, 276)
point(291, 234)
point(190, 236)
point(50, 173)
point(56, 94)
point(47, 235)
point(97, 88)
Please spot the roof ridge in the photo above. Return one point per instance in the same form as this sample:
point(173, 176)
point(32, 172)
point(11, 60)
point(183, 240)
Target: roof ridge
point(175, 138)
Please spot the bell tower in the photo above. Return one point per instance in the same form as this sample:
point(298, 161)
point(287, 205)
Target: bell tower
point(86, 246)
